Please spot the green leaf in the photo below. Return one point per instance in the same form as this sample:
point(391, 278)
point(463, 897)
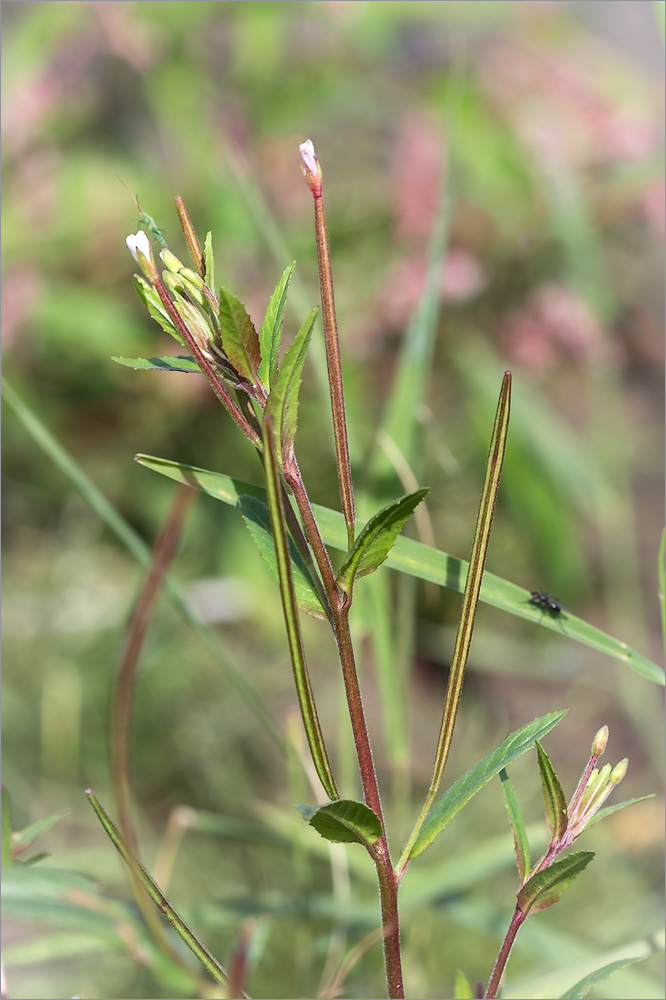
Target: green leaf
point(556, 804)
point(239, 337)
point(22, 839)
point(422, 561)
point(306, 699)
point(209, 261)
point(580, 989)
point(180, 363)
point(258, 520)
point(376, 539)
point(520, 842)
point(603, 813)
point(270, 333)
point(344, 822)
point(548, 886)
point(151, 887)
point(153, 304)
point(6, 830)
point(459, 794)
point(282, 405)
point(462, 988)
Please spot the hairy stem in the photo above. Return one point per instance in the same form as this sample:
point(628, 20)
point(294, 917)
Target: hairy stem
point(517, 921)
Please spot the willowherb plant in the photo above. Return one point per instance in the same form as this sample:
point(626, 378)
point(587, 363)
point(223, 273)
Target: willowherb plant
point(260, 393)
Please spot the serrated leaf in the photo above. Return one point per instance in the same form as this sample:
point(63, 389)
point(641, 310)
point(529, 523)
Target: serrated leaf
point(547, 887)
point(376, 540)
point(209, 261)
point(520, 842)
point(156, 310)
point(580, 989)
point(344, 822)
point(553, 796)
point(180, 363)
point(239, 337)
point(270, 333)
point(462, 988)
point(282, 405)
point(258, 520)
point(459, 794)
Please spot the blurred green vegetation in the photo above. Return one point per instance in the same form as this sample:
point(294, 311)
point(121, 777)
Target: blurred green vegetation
point(554, 181)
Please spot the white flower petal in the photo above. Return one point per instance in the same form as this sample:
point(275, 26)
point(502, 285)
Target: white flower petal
point(138, 241)
point(309, 157)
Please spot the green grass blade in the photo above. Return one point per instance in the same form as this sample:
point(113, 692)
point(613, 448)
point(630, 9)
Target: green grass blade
point(424, 562)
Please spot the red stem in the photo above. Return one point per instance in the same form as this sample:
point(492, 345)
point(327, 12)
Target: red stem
point(517, 921)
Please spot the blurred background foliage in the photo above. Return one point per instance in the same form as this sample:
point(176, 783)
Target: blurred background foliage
point(552, 174)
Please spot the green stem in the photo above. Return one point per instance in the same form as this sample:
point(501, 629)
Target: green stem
point(469, 606)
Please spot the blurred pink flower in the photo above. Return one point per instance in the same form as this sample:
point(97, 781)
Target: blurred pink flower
point(554, 322)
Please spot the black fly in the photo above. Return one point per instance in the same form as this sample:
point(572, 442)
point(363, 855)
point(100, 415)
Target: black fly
point(546, 603)
point(549, 606)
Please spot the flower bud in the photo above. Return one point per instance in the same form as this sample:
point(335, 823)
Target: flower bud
point(171, 262)
point(196, 324)
point(310, 167)
point(600, 742)
point(138, 245)
point(619, 771)
point(191, 276)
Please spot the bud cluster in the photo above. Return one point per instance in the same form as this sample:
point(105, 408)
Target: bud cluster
point(195, 304)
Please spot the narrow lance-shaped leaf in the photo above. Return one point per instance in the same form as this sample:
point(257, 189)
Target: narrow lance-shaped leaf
point(156, 310)
point(375, 541)
point(580, 989)
point(547, 887)
point(209, 962)
point(239, 337)
point(556, 804)
point(282, 405)
point(603, 813)
point(270, 333)
point(180, 363)
point(289, 606)
point(209, 261)
point(520, 842)
point(258, 521)
point(462, 988)
point(459, 794)
point(344, 822)
point(470, 602)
